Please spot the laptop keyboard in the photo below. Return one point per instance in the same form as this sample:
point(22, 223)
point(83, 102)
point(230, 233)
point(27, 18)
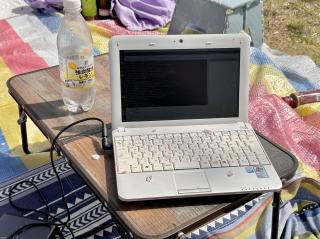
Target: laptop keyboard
point(192, 150)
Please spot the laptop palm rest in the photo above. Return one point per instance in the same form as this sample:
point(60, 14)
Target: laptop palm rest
point(191, 182)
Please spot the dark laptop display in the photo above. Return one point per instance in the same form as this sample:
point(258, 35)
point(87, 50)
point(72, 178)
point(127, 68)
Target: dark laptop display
point(179, 84)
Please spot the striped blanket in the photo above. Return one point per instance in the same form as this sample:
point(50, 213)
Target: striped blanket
point(28, 43)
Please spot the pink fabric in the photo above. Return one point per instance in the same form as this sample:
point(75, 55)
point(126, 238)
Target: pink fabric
point(18, 55)
point(115, 28)
point(272, 117)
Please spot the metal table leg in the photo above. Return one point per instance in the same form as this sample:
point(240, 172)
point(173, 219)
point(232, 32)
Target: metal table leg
point(22, 121)
point(275, 215)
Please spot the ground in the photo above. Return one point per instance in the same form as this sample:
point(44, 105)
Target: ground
point(293, 26)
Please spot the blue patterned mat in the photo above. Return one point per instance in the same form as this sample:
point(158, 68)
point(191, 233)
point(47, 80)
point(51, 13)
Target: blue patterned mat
point(89, 218)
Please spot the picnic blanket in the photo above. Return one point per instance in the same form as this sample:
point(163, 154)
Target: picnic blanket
point(28, 43)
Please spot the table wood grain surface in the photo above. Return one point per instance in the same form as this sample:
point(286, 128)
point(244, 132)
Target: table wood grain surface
point(39, 94)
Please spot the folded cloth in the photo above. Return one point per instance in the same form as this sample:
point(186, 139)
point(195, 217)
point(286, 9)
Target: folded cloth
point(48, 5)
point(139, 15)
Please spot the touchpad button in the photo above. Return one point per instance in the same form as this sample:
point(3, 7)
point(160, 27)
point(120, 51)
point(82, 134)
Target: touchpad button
point(191, 182)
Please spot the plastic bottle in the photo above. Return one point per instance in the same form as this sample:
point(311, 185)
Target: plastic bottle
point(75, 52)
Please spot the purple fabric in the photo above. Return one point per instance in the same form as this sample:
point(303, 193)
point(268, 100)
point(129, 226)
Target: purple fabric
point(49, 5)
point(139, 15)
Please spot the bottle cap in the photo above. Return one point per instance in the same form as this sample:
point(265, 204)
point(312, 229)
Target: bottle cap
point(72, 5)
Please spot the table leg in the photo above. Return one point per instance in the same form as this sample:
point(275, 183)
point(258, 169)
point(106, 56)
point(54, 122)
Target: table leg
point(22, 121)
point(275, 215)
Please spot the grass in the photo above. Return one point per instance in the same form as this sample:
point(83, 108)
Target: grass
point(293, 27)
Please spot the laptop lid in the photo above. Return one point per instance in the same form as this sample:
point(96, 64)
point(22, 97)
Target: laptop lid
point(168, 80)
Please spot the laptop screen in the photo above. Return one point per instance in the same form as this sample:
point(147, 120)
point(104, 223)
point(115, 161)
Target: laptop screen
point(179, 84)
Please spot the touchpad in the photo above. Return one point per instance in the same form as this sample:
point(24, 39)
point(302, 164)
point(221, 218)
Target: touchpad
point(191, 182)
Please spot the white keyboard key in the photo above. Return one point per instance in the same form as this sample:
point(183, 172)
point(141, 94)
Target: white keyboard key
point(205, 158)
point(205, 164)
point(137, 155)
point(263, 159)
point(138, 143)
point(127, 143)
point(193, 146)
point(217, 151)
point(154, 160)
point(157, 154)
point(178, 153)
point(168, 166)
point(174, 147)
point(163, 147)
point(118, 138)
point(147, 154)
point(234, 156)
point(126, 137)
point(187, 140)
point(144, 149)
point(207, 151)
point(157, 167)
point(144, 137)
point(124, 169)
point(177, 140)
point(146, 167)
point(228, 150)
point(147, 142)
point(136, 168)
point(215, 164)
point(224, 163)
point(188, 152)
point(198, 152)
point(204, 146)
point(188, 165)
point(167, 141)
point(175, 159)
point(165, 159)
point(154, 148)
point(185, 135)
point(128, 161)
point(157, 141)
point(123, 155)
point(134, 149)
point(143, 161)
point(253, 161)
point(243, 161)
point(225, 157)
point(119, 144)
point(194, 135)
point(233, 163)
point(152, 136)
point(215, 157)
point(135, 138)
point(195, 158)
point(167, 153)
point(197, 140)
point(184, 159)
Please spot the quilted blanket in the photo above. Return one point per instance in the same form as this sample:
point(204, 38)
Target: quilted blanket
point(28, 43)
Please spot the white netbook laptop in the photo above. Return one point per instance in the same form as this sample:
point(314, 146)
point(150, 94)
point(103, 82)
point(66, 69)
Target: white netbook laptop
point(180, 118)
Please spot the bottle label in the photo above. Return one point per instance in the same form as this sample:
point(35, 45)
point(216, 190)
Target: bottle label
point(78, 72)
